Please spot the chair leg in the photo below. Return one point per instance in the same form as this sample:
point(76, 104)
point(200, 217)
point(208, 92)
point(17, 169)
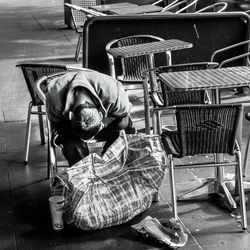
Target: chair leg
point(51, 161)
point(27, 136)
point(246, 156)
point(156, 121)
point(78, 47)
point(241, 192)
point(169, 58)
point(173, 190)
point(146, 105)
point(40, 119)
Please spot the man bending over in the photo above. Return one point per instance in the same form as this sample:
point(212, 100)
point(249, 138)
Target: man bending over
point(84, 105)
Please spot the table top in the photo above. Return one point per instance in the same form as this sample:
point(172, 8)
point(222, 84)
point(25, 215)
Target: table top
point(136, 9)
point(207, 78)
point(149, 48)
point(113, 6)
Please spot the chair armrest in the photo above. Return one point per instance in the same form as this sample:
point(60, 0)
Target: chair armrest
point(228, 48)
point(236, 58)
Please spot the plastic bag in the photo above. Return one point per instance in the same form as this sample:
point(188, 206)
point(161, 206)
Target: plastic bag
point(170, 233)
point(107, 190)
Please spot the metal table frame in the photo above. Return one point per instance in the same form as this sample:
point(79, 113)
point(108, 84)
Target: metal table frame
point(213, 79)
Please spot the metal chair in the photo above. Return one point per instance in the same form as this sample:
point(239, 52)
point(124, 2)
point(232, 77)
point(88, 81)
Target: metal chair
point(131, 68)
point(247, 116)
point(181, 6)
point(201, 130)
point(31, 72)
point(41, 89)
point(163, 97)
point(79, 17)
point(216, 7)
point(238, 58)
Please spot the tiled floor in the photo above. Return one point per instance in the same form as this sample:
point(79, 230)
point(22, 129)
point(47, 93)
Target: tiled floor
point(34, 29)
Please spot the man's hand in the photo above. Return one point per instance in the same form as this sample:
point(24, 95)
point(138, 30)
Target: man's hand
point(107, 121)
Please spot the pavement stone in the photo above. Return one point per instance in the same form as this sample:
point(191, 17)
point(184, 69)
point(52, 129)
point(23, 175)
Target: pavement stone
point(35, 30)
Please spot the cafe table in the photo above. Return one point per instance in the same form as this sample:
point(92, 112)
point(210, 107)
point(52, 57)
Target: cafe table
point(109, 7)
point(215, 80)
point(130, 10)
point(148, 49)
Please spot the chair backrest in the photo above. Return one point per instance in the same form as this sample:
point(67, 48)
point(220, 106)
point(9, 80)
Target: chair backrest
point(33, 71)
point(77, 14)
point(216, 7)
point(204, 129)
point(132, 67)
point(182, 6)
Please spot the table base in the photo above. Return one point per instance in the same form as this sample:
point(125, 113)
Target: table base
point(221, 193)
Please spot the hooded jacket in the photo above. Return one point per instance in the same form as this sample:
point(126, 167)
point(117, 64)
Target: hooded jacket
point(107, 94)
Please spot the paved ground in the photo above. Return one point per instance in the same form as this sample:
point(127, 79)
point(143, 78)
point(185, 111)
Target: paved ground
point(35, 30)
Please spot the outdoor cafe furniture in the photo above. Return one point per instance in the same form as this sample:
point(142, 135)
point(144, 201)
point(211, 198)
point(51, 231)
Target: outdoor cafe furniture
point(131, 66)
point(205, 130)
point(109, 7)
point(148, 8)
point(177, 7)
point(247, 62)
point(170, 98)
point(31, 72)
point(216, 7)
point(79, 15)
point(210, 79)
point(40, 89)
point(80, 3)
point(132, 54)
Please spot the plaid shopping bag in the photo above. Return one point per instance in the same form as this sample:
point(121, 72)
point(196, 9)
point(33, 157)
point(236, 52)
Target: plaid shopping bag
point(107, 190)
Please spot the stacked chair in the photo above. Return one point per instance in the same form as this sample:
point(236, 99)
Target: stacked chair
point(198, 129)
point(225, 62)
point(216, 7)
point(79, 14)
point(181, 6)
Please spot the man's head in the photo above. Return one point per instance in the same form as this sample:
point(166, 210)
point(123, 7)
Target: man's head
point(86, 121)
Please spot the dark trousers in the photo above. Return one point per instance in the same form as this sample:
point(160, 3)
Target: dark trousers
point(74, 148)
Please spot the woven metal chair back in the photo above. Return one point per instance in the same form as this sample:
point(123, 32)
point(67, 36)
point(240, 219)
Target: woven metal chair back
point(182, 6)
point(203, 129)
point(79, 17)
point(216, 7)
point(171, 98)
point(31, 74)
point(133, 67)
